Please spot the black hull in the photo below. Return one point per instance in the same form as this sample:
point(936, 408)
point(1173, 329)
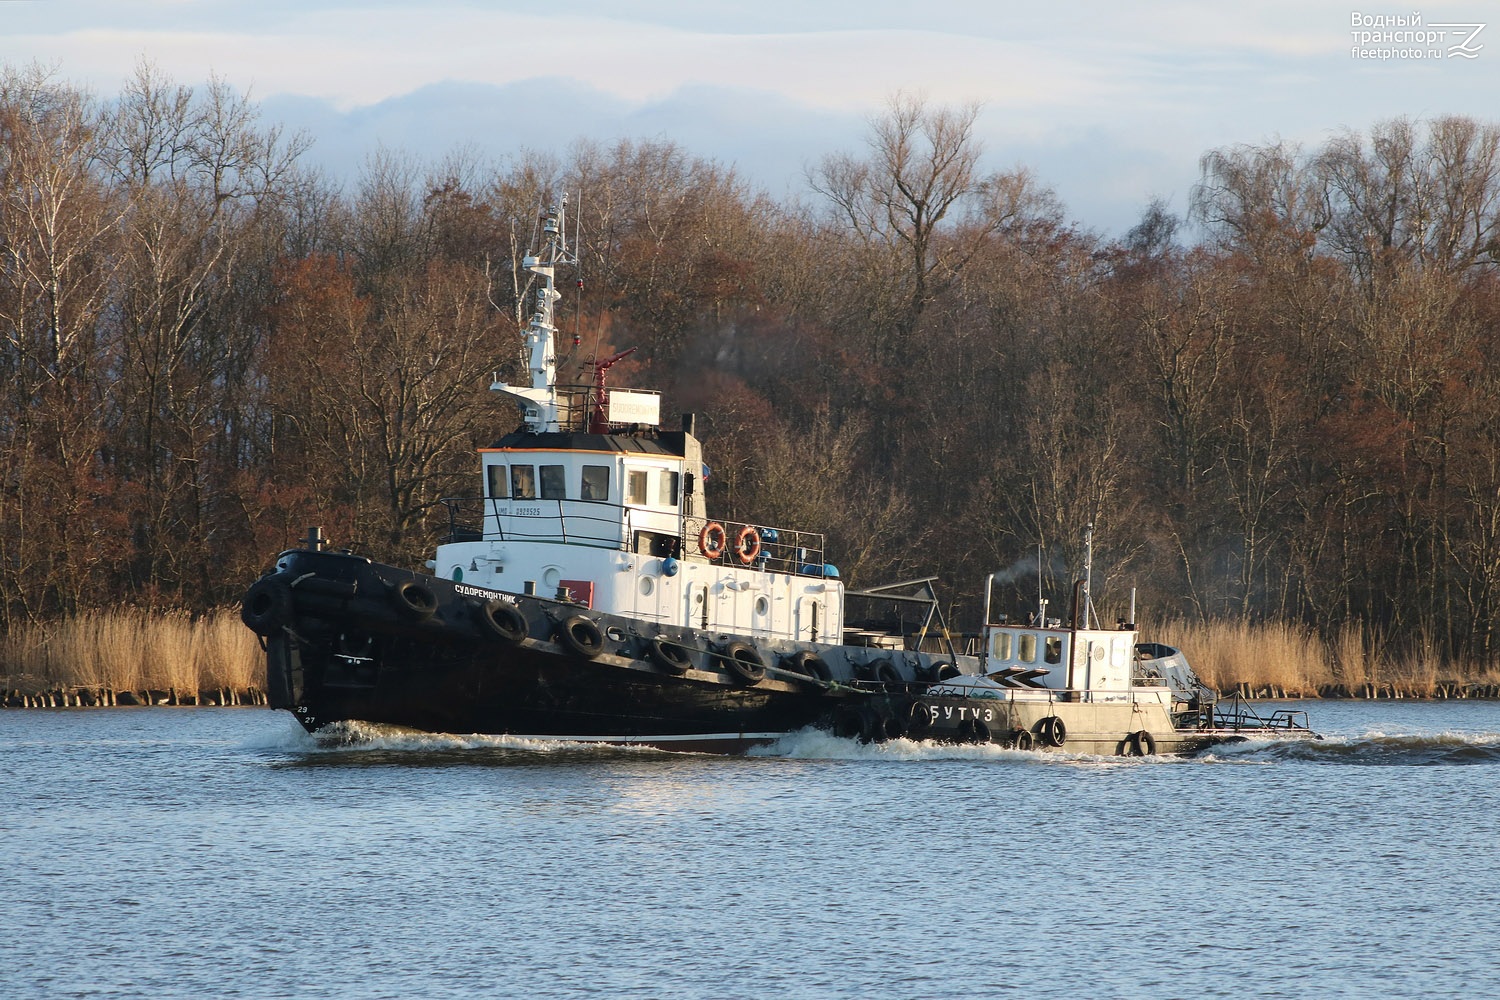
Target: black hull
point(348, 639)
point(535, 691)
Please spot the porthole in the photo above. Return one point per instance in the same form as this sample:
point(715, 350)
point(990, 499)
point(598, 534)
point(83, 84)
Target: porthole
point(762, 605)
point(648, 586)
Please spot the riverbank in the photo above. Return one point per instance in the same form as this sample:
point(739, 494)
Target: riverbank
point(224, 697)
point(1441, 691)
point(131, 656)
point(107, 698)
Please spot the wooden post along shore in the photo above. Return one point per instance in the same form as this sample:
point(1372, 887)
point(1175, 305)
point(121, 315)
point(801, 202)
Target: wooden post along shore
point(90, 697)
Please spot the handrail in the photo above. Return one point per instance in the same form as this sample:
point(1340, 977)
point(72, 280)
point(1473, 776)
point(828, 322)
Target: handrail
point(604, 524)
point(1243, 716)
point(504, 525)
point(778, 550)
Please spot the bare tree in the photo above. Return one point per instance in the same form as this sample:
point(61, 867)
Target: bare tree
point(55, 219)
point(59, 226)
point(1398, 198)
point(918, 204)
point(383, 401)
point(1261, 201)
point(198, 173)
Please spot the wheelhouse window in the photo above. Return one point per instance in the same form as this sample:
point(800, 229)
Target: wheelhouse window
point(1054, 649)
point(523, 482)
point(667, 489)
point(1002, 646)
point(554, 482)
point(595, 483)
point(1026, 648)
point(496, 482)
point(635, 486)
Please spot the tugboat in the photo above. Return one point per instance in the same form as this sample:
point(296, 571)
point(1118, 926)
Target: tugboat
point(588, 595)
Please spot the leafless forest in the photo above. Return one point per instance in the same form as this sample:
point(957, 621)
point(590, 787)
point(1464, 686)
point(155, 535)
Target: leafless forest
point(1283, 407)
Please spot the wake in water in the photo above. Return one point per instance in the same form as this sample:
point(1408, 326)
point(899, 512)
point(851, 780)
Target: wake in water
point(818, 744)
point(1373, 749)
point(1368, 750)
point(815, 744)
point(372, 743)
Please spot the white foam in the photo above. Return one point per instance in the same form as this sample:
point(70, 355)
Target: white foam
point(285, 733)
point(817, 744)
point(356, 735)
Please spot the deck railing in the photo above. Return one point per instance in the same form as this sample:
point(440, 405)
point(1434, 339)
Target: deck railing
point(602, 524)
point(775, 550)
point(1239, 715)
point(594, 523)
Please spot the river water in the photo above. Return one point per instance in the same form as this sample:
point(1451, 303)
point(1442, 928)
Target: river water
point(223, 853)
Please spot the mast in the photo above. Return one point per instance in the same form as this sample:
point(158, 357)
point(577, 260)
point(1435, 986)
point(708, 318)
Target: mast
point(541, 409)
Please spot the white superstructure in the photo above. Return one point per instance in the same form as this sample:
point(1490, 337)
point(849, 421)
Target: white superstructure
point(593, 499)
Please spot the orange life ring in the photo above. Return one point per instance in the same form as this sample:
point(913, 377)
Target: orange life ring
point(747, 544)
point(711, 540)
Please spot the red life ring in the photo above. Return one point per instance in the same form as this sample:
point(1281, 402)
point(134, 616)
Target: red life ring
point(711, 540)
point(747, 544)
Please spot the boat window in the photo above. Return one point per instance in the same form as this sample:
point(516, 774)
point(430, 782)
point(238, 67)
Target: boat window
point(595, 482)
point(635, 486)
point(1054, 649)
point(1002, 646)
point(496, 481)
point(554, 482)
point(668, 495)
point(1027, 644)
point(523, 482)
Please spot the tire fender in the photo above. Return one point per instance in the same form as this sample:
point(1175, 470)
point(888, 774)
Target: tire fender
point(413, 599)
point(743, 662)
point(581, 636)
point(670, 655)
point(504, 620)
point(267, 605)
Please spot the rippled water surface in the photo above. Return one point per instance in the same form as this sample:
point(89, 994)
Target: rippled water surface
point(223, 853)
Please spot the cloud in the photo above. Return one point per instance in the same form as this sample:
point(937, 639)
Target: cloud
point(768, 139)
point(1112, 104)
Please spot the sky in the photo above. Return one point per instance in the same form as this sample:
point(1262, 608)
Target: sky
point(1110, 104)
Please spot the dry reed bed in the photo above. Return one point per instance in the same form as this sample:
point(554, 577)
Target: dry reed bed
point(1278, 659)
point(135, 650)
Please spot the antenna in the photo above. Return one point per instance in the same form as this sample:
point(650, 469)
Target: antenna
point(1088, 573)
point(1041, 602)
point(578, 285)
